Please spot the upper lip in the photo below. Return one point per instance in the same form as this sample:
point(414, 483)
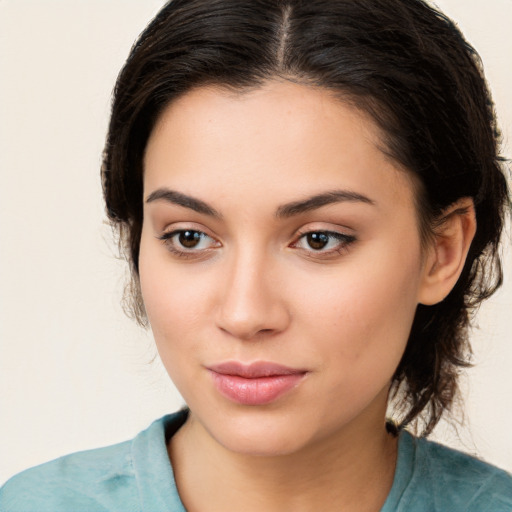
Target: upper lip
point(254, 370)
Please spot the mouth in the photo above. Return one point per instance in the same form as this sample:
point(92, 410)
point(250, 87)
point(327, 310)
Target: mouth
point(258, 383)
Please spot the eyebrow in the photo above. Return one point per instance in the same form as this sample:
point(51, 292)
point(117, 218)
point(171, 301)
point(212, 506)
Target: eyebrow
point(171, 196)
point(283, 211)
point(319, 200)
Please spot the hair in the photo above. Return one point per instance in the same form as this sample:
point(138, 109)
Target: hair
point(402, 62)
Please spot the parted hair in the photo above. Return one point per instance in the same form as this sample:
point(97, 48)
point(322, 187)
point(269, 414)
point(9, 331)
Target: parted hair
point(402, 62)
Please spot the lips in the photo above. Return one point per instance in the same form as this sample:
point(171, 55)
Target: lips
point(256, 384)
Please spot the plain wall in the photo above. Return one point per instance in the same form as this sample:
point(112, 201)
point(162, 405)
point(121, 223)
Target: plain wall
point(75, 373)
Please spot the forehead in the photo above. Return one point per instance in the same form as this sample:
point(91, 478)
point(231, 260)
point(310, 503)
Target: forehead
point(284, 138)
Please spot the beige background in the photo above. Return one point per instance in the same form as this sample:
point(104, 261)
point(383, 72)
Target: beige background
point(74, 372)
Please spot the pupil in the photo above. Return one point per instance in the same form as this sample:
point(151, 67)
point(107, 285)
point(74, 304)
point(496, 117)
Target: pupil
point(317, 240)
point(189, 239)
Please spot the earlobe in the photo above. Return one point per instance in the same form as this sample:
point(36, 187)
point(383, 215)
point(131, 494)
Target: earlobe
point(448, 251)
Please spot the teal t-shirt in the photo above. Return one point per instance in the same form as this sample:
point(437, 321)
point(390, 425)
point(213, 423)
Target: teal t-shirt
point(136, 476)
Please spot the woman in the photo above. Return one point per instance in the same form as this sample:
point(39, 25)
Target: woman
point(311, 200)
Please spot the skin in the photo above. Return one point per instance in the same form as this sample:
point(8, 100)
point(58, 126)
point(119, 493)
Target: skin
point(254, 290)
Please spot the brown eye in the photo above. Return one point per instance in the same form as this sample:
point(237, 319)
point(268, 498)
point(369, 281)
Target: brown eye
point(189, 239)
point(188, 242)
point(317, 241)
point(324, 243)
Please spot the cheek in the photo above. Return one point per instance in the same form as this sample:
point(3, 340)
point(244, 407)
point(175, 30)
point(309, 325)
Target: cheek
point(176, 315)
point(171, 298)
point(360, 331)
point(366, 312)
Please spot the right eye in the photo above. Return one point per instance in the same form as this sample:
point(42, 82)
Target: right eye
point(324, 243)
point(185, 242)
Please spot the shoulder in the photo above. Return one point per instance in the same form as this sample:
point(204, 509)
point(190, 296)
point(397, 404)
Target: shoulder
point(452, 480)
point(80, 481)
point(126, 477)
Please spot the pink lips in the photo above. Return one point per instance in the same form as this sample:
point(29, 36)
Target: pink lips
point(255, 384)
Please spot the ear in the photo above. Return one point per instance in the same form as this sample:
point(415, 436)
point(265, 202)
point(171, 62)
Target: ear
point(447, 252)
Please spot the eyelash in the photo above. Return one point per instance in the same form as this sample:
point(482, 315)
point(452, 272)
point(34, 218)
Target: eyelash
point(344, 241)
point(167, 239)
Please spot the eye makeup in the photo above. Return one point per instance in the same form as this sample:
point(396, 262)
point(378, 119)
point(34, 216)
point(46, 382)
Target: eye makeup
point(193, 243)
point(324, 244)
point(188, 243)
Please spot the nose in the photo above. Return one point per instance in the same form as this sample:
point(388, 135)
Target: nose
point(251, 302)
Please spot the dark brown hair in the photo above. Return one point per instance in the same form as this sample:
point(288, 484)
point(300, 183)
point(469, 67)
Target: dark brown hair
point(401, 61)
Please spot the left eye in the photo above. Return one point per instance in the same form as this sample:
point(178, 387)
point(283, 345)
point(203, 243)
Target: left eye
point(187, 239)
point(323, 241)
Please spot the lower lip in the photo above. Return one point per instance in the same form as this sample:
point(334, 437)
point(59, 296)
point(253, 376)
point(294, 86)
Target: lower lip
point(255, 391)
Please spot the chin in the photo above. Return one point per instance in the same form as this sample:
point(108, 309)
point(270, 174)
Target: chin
point(260, 432)
point(262, 444)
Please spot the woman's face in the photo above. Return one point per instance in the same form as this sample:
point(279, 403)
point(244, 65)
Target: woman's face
point(280, 264)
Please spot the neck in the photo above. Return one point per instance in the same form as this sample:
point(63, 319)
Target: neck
point(351, 470)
